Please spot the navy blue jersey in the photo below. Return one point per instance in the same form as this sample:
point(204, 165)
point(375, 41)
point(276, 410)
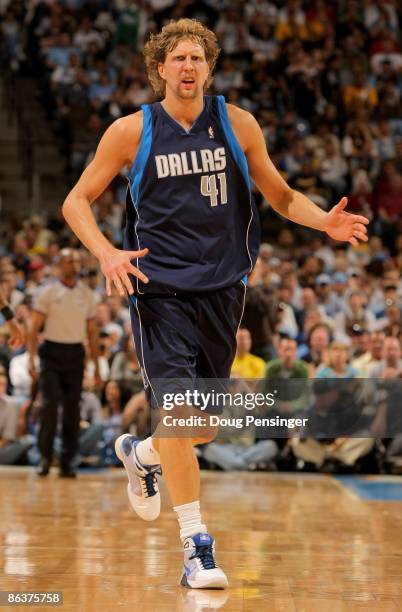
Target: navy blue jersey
point(189, 202)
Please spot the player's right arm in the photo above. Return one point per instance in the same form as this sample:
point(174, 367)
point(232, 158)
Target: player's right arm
point(117, 148)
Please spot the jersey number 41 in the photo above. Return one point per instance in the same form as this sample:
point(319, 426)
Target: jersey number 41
point(209, 188)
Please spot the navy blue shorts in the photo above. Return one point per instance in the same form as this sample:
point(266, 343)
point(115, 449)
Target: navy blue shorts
point(186, 336)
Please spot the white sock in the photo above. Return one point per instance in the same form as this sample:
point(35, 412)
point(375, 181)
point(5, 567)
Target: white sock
point(146, 452)
point(189, 517)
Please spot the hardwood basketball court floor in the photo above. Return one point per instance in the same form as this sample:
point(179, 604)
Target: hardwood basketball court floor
point(291, 543)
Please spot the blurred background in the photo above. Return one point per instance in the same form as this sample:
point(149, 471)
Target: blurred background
point(324, 79)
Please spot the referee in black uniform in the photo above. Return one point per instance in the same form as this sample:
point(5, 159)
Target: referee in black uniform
point(66, 311)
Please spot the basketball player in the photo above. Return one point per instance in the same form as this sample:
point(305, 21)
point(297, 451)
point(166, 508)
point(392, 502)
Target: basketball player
point(192, 232)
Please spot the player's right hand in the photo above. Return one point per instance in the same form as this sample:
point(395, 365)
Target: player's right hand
point(116, 266)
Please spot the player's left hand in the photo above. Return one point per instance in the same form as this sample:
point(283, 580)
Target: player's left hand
point(344, 226)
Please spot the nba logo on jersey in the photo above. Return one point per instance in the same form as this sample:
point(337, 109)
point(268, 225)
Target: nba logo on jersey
point(211, 132)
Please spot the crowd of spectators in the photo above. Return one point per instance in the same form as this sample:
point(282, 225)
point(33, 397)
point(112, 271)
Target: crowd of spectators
point(324, 80)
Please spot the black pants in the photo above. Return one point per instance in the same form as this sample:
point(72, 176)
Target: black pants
point(62, 368)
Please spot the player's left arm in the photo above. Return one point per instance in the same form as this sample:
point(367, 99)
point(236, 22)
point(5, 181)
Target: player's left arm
point(288, 202)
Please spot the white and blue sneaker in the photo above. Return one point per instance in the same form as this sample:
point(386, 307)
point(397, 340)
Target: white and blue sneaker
point(142, 489)
point(200, 569)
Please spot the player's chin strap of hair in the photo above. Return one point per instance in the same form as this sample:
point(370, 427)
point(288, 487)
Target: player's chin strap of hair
point(7, 312)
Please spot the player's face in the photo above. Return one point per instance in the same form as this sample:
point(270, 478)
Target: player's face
point(185, 70)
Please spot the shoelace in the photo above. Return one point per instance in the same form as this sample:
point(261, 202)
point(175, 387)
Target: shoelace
point(148, 482)
point(205, 555)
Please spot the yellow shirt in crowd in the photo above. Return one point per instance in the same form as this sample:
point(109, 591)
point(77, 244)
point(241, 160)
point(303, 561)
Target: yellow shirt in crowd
point(249, 366)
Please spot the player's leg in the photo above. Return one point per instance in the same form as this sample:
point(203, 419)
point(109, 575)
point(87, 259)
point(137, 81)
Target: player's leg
point(182, 476)
point(177, 457)
point(167, 346)
point(162, 331)
point(218, 317)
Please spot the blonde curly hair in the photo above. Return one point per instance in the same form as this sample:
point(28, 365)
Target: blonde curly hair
point(159, 45)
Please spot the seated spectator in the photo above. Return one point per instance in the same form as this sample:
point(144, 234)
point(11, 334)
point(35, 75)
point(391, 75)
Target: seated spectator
point(291, 23)
point(338, 365)
point(333, 169)
point(336, 408)
point(262, 43)
point(137, 416)
point(287, 325)
point(390, 366)
point(388, 53)
point(85, 34)
point(91, 426)
point(85, 139)
point(37, 235)
point(320, 16)
point(101, 91)
point(105, 356)
point(238, 449)
point(65, 76)
point(228, 77)
point(360, 345)
point(293, 160)
point(323, 250)
point(358, 93)
point(361, 195)
point(326, 298)
point(103, 315)
point(383, 140)
point(11, 448)
point(308, 181)
point(246, 365)
point(260, 313)
point(58, 53)
point(261, 8)
point(20, 378)
point(20, 258)
point(114, 398)
point(357, 142)
point(356, 313)
point(386, 387)
point(309, 314)
point(292, 395)
point(310, 267)
point(364, 363)
point(125, 365)
point(119, 312)
point(318, 342)
point(388, 193)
